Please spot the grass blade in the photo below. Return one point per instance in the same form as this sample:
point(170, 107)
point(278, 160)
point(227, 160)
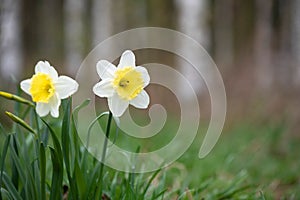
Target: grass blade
point(57, 163)
point(66, 146)
point(5, 194)
point(18, 171)
point(57, 176)
point(78, 108)
point(81, 182)
point(92, 182)
point(43, 170)
point(55, 141)
point(65, 138)
point(75, 146)
point(150, 181)
point(11, 188)
point(16, 165)
point(4, 152)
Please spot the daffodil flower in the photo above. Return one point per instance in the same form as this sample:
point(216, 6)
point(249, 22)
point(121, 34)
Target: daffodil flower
point(122, 85)
point(47, 89)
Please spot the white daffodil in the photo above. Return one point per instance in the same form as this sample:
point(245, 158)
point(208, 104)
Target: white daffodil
point(47, 89)
point(122, 85)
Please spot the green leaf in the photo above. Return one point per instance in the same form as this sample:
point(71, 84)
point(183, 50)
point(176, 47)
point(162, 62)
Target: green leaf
point(92, 124)
point(81, 182)
point(35, 166)
point(16, 165)
point(57, 163)
point(78, 108)
point(92, 181)
point(55, 141)
point(159, 194)
point(83, 161)
point(57, 176)
point(43, 170)
point(65, 137)
point(66, 146)
point(4, 152)
point(10, 187)
point(75, 145)
point(5, 194)
point(150, 181)
point(34, 180)
point(19, 169)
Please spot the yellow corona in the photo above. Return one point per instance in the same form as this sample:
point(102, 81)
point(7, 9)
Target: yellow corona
point(41, 88)
point(128, 83)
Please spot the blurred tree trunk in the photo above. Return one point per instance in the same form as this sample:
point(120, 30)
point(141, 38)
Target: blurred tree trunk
point(192, 21)
point(161, 13)
point(283, 70)
point(223, 32)
point(74, 28)
point(49, 25)
point(102, 20)
point(295, 40)
point(263, 44)
point(11, 55)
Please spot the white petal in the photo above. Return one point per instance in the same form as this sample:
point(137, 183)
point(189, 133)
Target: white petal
point(42, 109)
point(46, 68)
point(117, 105)
point(145, 74)
point(105, 69)
point(127, 59)
point(141, 101)
point(25, 85)
point(65, 86)
point(104, 88)
point(54, 103)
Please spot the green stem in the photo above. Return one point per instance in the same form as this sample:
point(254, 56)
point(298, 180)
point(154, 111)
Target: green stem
point(37, 124)
point(104, 150)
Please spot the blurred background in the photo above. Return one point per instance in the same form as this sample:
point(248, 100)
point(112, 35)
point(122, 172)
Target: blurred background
point(255, 44)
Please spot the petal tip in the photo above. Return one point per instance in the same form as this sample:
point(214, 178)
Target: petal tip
point(127, 59)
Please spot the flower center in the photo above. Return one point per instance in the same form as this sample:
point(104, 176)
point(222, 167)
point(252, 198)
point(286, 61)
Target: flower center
point(128, 83)
point(41, 88)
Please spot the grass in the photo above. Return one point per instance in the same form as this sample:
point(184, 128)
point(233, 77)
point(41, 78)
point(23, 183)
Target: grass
point(250, 161)
point(263, 155)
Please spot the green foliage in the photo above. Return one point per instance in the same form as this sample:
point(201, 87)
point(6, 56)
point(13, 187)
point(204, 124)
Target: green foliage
point(34, 166)
point(52, 164)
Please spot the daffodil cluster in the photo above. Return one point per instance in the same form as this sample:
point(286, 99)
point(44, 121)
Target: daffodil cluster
point(121, 85)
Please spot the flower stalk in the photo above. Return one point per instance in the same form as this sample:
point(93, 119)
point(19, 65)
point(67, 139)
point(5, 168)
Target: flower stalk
point(104, 150)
